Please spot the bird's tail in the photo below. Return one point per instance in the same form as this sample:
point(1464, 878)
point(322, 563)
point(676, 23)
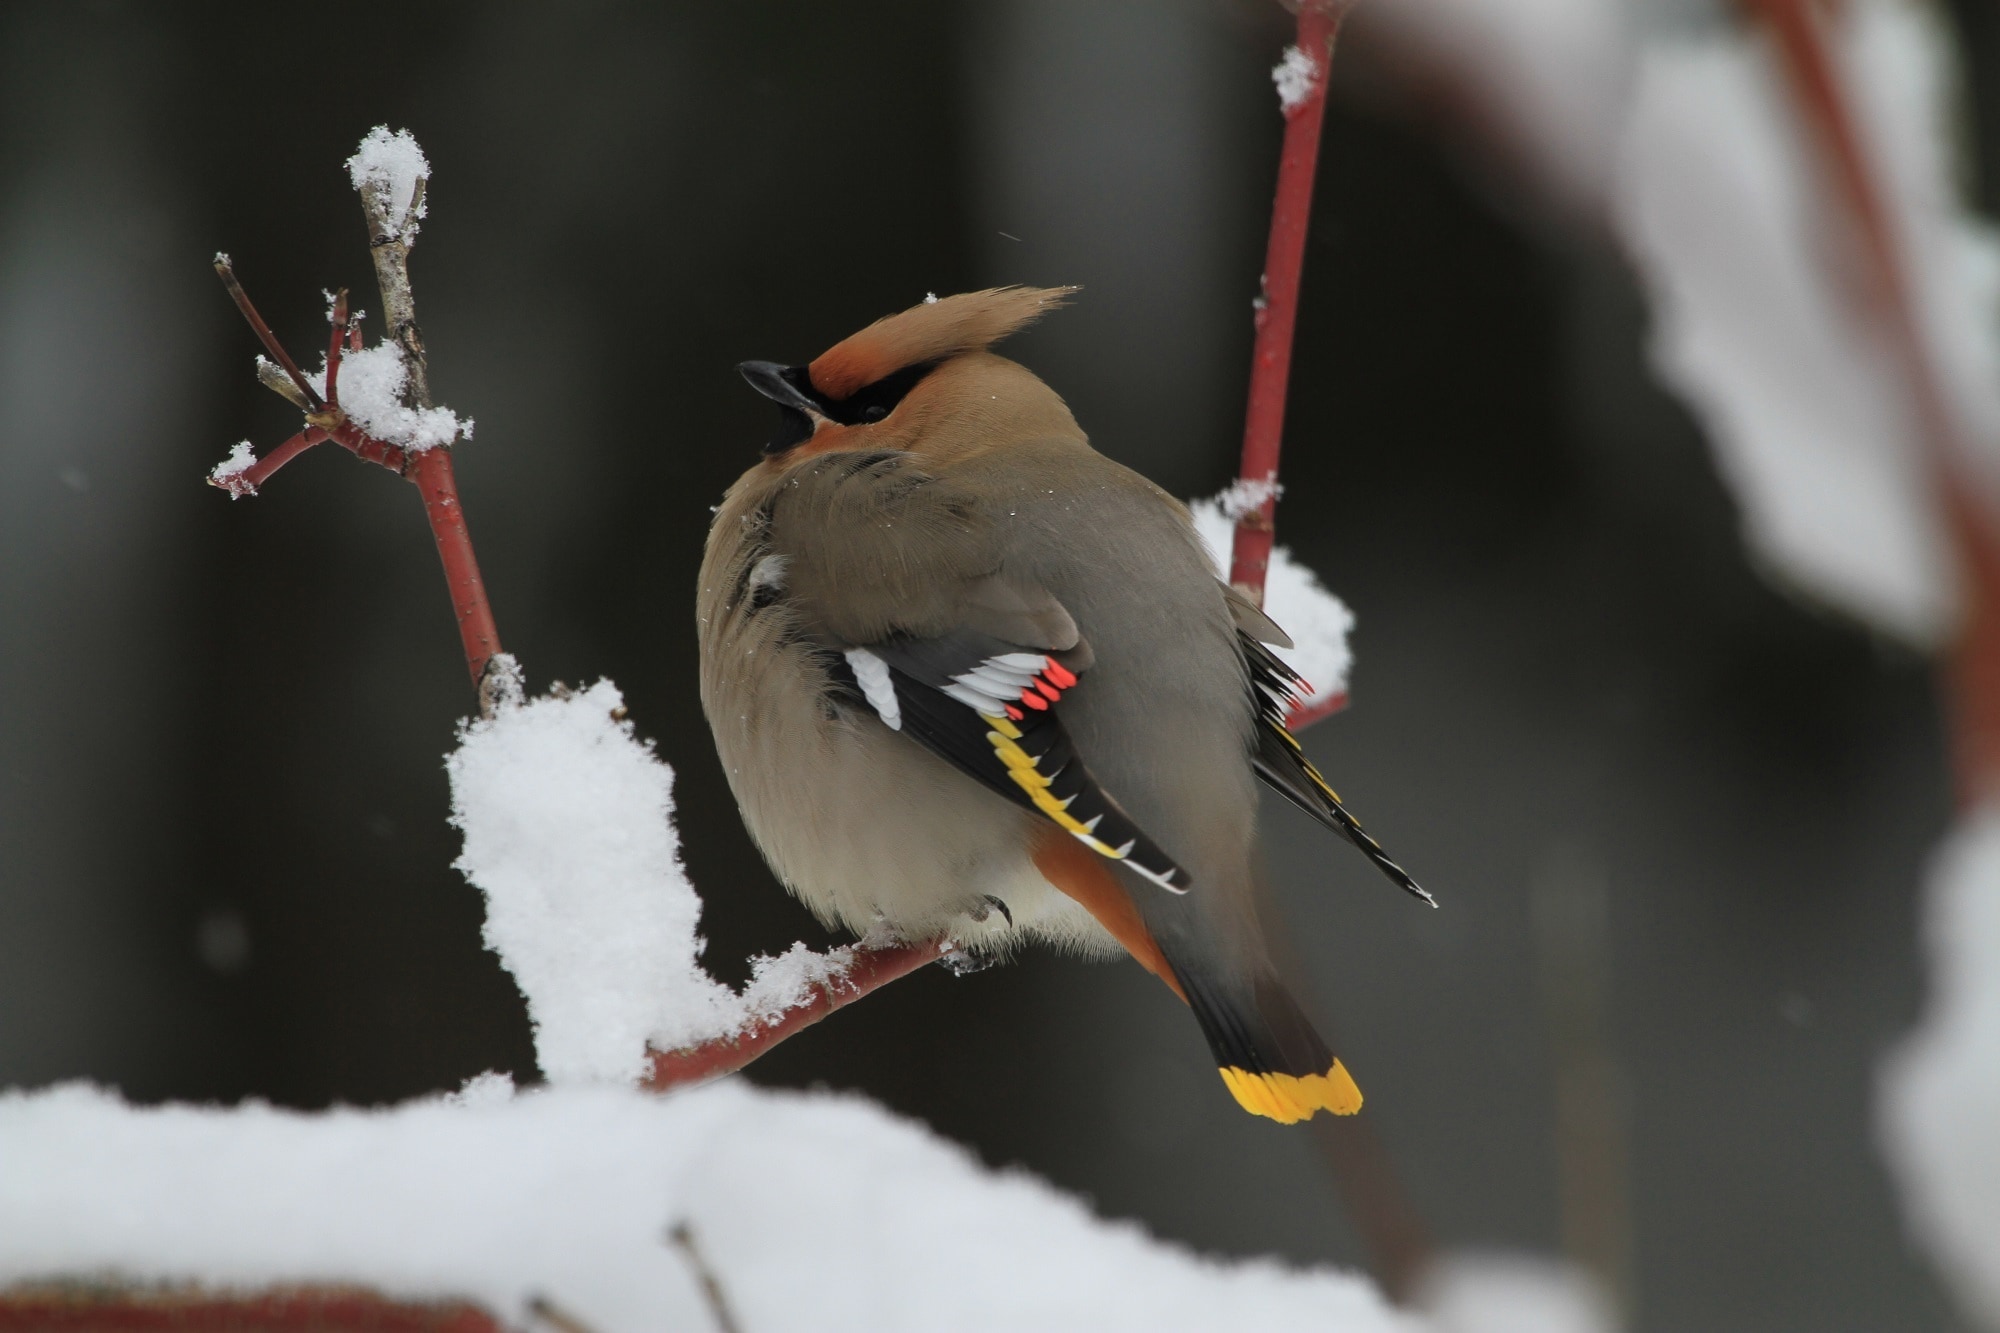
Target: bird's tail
point(1272, 1061)
point(1270, 1058)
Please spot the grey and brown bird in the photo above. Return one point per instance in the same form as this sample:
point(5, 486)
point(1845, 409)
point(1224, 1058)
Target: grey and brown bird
point(971, 678)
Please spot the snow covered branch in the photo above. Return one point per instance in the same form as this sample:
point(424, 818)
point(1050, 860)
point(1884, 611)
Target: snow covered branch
point(387, 415)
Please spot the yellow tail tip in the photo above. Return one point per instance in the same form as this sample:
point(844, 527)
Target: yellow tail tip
point(1290, 1098)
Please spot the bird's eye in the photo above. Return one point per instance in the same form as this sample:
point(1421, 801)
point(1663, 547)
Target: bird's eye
point(876, 401)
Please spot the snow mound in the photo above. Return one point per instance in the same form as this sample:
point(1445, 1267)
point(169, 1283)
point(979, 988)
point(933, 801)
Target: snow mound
point(568, 823)
point(569, 832)
point(812, 1211)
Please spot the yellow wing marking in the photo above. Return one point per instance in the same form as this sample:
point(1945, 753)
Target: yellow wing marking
point(1031, 780)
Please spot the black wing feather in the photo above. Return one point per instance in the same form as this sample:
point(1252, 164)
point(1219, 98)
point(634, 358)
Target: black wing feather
point(1281, 762)
point(1015, 747)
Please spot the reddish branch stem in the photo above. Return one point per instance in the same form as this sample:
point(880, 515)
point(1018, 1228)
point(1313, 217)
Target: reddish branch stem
point(430, 470)
point(308, 1309)
point(1277, 308)
point(871, 970)
point(480, 637)
point(227, 272)
point(1974, 673)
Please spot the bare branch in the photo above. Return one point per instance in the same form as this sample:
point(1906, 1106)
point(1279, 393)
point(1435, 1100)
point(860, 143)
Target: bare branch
point(711, 1286)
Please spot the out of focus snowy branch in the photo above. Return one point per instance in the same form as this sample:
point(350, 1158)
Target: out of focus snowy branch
point(1829, 307)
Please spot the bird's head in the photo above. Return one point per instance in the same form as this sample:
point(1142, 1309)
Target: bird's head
point(921, 381)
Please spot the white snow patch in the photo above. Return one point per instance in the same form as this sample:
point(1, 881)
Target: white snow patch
point(1804, 413)
point(371, 393)
point(813, 1211)
point(1296, 75)
point(1512, 1293)
point(394, 165)
point(1318, 621)
point(1245, 496)
point(1940, 1090)
point(787, 981)
point(568, 823)
point(228, 474)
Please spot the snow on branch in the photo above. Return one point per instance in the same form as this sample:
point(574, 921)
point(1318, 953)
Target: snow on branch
point(568, 824)
point(391, 171)
point(1318, 621)
point(812, 1211)
point(374, 388)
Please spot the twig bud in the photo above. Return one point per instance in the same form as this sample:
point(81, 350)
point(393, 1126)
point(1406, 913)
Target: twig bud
point(273, 377)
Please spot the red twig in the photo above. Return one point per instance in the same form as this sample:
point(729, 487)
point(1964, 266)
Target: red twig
point(1974, 674)
point(227, 272)
point(304, 1309)
point(872, 969)
point(337, 321)
point(430, 469)
point(477, 633)
point(260, 472)
point(1277, 308)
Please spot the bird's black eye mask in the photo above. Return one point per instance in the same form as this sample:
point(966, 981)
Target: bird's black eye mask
point(792, 390)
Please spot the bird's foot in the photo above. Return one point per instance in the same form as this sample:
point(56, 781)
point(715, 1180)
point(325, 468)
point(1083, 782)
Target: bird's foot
point(988, 904)
point(962, 964)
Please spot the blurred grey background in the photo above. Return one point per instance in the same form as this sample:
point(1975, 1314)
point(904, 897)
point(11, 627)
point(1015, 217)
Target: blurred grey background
point(1578, 713)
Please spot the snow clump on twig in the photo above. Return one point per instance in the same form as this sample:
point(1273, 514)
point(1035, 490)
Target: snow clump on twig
point(568, 823)
point(393, 167)
point(1296, 75)
point(228, 474)
point(1244, 496)
point(569, 832)
point(371, 387)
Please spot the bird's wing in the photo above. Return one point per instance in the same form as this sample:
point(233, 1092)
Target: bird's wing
point(992, 709)
point(1281, 762)
point(900, 572)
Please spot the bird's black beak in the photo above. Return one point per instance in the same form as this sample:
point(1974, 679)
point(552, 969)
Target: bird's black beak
point(791, 389)
point(787, 386)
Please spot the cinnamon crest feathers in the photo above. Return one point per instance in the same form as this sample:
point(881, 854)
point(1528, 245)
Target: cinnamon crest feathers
point(970, 677)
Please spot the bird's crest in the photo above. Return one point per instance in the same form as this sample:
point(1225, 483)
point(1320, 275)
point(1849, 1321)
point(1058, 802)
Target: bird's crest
point(930, 332)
